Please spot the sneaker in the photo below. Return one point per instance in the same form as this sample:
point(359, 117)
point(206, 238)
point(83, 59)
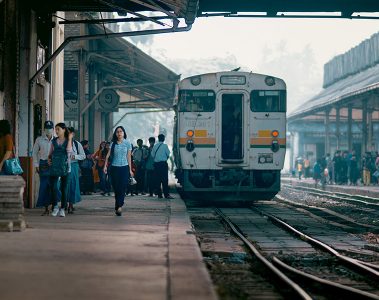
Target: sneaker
point(119, 212)
point(61, 213)
point(55, 211)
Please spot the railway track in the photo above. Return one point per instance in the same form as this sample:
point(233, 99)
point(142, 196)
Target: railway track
point(304, 278)
point(355, 216)
point(343, 197)
point(300, 268)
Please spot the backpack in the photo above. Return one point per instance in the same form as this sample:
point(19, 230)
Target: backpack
point(59, 160)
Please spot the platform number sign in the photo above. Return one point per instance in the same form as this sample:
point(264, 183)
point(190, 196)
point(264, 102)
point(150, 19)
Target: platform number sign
point(108, 101)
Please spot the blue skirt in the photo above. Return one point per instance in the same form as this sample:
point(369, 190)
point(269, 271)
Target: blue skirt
point(44, 195)
point(73, 186)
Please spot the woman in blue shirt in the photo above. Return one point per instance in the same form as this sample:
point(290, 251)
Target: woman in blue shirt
point(119, 156)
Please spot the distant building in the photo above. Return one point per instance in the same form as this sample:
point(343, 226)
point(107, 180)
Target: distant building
point(345, 114)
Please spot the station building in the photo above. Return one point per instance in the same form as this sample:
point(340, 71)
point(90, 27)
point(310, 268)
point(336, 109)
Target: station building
point(80, 73)
point(345, 114)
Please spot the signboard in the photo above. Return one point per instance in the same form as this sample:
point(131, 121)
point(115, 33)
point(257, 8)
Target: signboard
point(108, 101)
point(71, 110)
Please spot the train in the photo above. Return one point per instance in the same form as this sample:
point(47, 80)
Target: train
point(230, 135)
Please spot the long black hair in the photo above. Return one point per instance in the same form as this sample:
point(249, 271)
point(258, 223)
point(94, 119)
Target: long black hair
point(64, 127)
point(5, 127)
point(114, 137)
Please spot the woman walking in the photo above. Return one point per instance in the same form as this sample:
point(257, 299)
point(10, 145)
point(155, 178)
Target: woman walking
point(73, 186)
point(60, 166)
point(119, 156)
point(99, 157)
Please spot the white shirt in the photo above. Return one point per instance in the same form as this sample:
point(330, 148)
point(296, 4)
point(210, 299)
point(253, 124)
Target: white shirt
point(160, 152)
point(41, 149)
point(79, 153)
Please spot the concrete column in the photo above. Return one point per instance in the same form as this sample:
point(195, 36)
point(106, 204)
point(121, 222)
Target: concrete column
point(57, 69)
point(349, 127)
point(28, 66)
point(82, 120)
point(327, 131)
point(296, 146)
point(10, 60)
point(369, 131)
point(338, 139)
point(364, 126)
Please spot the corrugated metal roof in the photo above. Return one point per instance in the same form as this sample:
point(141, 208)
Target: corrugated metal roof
point(354, 85)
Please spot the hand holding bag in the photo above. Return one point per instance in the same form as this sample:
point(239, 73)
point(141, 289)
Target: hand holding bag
point(12, 166)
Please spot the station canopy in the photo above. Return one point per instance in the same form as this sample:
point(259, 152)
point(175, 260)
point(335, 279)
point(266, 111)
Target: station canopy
point(190, 9)
point(352, 90)
point(143, 81)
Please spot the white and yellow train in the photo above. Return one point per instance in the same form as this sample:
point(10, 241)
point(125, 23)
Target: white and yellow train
point(230, 135)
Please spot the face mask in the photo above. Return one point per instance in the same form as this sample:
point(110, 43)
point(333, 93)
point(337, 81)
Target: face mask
point(49, 131)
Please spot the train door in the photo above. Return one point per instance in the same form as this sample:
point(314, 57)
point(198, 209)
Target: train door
point(231, 111)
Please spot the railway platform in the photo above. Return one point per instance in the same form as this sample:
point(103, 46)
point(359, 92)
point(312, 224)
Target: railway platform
point(369, 191)
point(150, 252)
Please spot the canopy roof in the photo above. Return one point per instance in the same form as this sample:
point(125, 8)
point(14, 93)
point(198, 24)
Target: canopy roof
point(355, 87)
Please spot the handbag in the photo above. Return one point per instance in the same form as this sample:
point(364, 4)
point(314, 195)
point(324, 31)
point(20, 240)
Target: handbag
point(12, 166)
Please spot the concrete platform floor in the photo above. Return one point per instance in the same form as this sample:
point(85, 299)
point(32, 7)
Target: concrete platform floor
point(148, 253)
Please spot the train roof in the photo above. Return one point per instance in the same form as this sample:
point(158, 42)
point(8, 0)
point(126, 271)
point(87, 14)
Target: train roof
point(232, 73)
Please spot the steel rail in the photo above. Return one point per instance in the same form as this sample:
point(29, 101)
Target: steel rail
point(335, 195)
point(330, 284)
point(327, 210)
point(355, 263)
point(294, 286)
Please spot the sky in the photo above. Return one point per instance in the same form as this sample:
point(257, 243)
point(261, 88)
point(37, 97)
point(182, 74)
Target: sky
point(292, 49)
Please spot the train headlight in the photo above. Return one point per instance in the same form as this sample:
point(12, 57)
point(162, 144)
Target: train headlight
point(196, 80)
point(262, 159)
point(190, 133)
point(270, 81)
point(190, 146)
point(275, 146)
point(275, 133)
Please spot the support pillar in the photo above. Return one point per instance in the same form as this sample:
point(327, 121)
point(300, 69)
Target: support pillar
point(82, 119)
point(349, 127)
point(364, 127)
point(338, 133)
point(369, 130)
point(327, 131)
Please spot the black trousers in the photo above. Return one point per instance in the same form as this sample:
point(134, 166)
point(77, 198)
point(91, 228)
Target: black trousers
point(150, 178)
point(63, 189)
point(161, 177)
point(120, 178)
point(140, 177)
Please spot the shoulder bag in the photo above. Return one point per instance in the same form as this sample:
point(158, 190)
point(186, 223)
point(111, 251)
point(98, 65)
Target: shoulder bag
point(12, 166)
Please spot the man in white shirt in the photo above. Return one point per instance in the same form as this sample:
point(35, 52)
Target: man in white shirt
point(160, 154)
point(41, 151)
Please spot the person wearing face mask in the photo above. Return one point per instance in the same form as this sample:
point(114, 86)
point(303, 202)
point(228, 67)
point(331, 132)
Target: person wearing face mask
point(41, 151)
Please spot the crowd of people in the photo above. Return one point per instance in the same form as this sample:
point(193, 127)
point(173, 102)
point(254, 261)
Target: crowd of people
point(343, 168)
point(67, 169)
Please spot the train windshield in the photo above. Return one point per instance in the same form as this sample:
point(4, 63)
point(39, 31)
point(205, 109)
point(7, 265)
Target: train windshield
point(197, 100)
point(268, 101)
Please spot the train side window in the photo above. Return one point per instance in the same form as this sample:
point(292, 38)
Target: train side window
point(268, 101)
point(197, 100)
